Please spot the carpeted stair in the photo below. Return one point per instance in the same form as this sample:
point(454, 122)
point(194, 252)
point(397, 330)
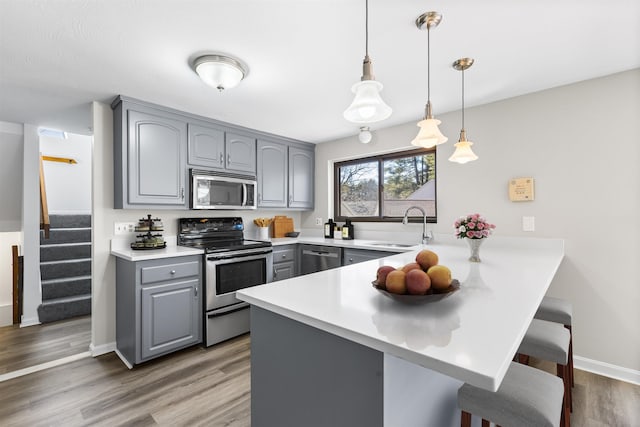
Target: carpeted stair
point(65, 268)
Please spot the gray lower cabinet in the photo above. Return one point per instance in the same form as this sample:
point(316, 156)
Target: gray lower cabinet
point(284, 262)
point(285, 175)
point(150, 148)
point(215, 148)
point(354, 256)
point(158, 306)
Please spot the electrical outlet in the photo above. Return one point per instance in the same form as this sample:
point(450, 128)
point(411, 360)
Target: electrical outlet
point(318, 221)
point(528, 223)
point(123, 227)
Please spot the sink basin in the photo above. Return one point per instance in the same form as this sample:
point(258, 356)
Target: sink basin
point(393, 245)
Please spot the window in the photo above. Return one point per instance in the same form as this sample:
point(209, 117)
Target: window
point(381, 188)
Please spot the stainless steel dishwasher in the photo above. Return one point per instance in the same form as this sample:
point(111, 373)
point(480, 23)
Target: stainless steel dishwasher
point(318, 258)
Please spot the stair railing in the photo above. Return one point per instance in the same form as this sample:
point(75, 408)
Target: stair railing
point(45, 223)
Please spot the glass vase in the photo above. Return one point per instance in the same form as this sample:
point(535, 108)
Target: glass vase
point(474, 248)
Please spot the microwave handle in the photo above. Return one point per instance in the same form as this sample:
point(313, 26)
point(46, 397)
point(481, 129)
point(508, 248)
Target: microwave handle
point(244, 194)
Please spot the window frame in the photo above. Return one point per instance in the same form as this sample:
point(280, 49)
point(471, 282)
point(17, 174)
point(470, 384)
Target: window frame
point(380, 158)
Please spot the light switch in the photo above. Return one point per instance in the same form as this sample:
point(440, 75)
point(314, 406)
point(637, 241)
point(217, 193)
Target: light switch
point(528, 223)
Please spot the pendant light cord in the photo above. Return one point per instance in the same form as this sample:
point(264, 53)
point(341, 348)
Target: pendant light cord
point(428, 63)
point(366, 28)
point(463, 99)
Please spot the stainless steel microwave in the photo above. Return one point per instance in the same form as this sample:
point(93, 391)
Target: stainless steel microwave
point(222, 191)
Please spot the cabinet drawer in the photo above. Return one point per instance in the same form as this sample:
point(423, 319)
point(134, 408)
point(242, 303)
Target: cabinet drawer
point(169, 272)
point(285, 254)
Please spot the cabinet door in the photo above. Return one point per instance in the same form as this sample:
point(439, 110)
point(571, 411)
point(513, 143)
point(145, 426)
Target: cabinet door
point(156, 167)
point(283, 270)
point(241, 153)
point(206, 146)
point(301, 178)
point(272, 175)
point(170, 317)
point(354, 256)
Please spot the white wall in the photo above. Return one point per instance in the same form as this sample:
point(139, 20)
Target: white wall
point(104, 217)
point(11, 136)
point(580, 143)
point(68, 185)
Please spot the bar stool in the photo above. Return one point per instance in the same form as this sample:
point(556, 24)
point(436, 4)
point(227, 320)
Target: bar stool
point(527, 397)
point(559, 311)
point(550, 341)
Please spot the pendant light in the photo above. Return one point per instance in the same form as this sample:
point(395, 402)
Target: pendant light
point(367, 106)
point(429, 134)
point(463, 153)
point(365, 135)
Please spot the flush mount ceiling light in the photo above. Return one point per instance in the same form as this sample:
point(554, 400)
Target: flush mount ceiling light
point(365, 135)
point(219, 71)
point(367, 106)
point(463, 153)
point(429, 135)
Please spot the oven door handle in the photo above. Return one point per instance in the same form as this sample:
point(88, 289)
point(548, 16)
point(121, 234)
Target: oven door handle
point(228, 309)
point(222, 259)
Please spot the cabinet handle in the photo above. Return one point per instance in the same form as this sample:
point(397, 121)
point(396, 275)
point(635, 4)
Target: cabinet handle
point(221, 158)
point(228, 158)
point(182, 193)
point(196, 291)
point(275, 272)
point(350, 259)
point(290, 199)
point(173, 272)
point(259, 198)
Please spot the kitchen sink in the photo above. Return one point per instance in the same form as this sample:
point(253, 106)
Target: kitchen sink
point(393, 245)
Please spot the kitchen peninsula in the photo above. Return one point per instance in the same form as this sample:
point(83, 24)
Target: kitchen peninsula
point(329, 349)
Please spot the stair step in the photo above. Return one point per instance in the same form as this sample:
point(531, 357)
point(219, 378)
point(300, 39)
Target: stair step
point(64, 251)
point(65, 269)
point(64, 308)
point(66, 235)
point(61, 288)
point(69, 221)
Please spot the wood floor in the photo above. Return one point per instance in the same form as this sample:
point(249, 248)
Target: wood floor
point(26, 347)
point(211, 387)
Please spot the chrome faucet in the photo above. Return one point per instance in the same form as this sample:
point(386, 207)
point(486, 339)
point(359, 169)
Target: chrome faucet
point(427, 236)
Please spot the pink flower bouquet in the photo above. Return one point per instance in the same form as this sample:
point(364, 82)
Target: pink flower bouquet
point(473, 226)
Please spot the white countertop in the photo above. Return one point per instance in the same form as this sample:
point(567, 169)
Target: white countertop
point(470, 335)
point(121, 249)
point(379, 245)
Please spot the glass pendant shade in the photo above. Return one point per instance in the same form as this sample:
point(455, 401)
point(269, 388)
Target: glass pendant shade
point(463, 153)
point(218, 71)
point(367, 106)
point(365, 135)
point(429, 135)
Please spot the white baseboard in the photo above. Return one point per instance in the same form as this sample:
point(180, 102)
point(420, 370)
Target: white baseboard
point(606, 369)
point(99, 350)
point(124, 360)
point(6, 315)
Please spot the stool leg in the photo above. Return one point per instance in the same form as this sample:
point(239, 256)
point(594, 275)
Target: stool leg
point(485, 423)
point(563, 372)
point(523, 358)
point(570, 352)
point(565, 416)
point(465, 419)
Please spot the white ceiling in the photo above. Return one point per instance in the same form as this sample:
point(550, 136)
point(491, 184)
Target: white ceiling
point(56, 56)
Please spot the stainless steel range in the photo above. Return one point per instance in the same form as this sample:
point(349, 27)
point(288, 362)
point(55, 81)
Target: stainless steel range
point(231, 263)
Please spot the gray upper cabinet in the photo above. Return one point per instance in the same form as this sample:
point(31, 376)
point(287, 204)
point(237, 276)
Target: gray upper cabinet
point(150, 148)
point(272, 175)
point(206, 146)
point(241, 153)
point(213, 147)
point(301, 178)
point(285, 175)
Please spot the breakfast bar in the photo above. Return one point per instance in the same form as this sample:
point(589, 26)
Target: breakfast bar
point(328, 349)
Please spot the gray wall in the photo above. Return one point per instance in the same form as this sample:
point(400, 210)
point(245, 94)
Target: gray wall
point(580, 143)
point(11, 146)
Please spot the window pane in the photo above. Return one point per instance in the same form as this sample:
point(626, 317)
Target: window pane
point(359, 190)
point(409, 181)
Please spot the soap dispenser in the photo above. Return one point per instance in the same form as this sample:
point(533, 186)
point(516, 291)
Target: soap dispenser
point(328, 229)
point(347, 230)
